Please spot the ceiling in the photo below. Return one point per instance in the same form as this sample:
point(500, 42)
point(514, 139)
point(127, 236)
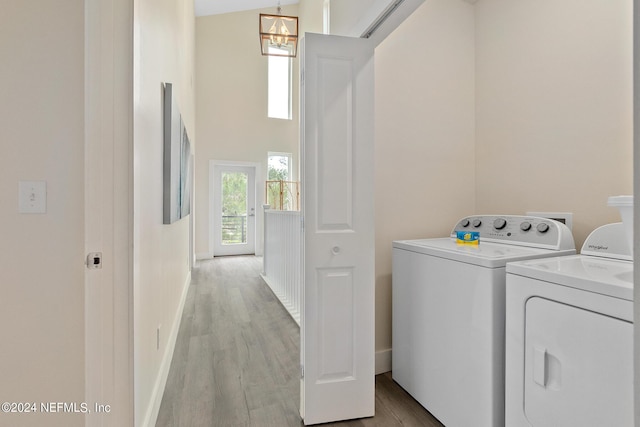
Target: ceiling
point(216, 7)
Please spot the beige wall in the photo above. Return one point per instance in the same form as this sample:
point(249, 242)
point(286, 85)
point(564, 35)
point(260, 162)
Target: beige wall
point(425, 152)
point(311, 13)
point(353, 17)
point(347, 15)
point(41, 255)
point(554, 107)
point(164, 47)
point(505, 107)
point(231, 105)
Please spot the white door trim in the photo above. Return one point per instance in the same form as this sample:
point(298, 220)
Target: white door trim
point(259, 200)
point(108, 211)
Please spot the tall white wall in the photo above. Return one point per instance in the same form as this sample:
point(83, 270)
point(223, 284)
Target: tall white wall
point(164, 47)
point(41, 255)
point(554, 107)
point(231, 101)
point(425, 152)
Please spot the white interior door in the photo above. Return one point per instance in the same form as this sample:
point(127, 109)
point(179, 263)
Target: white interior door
point(337, 325)
point(234, 204)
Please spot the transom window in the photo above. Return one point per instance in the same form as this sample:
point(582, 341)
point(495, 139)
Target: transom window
point(279, 85)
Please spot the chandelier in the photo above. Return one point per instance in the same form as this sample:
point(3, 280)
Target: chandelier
point(278, 34)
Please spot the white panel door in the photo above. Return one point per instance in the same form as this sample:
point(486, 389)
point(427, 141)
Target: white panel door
point(337, 327)
point(234, 216)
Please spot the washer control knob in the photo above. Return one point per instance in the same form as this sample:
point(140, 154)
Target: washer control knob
point(543, 227)
point(525, 226)
point(477, 223)
point(499, 223)
point(464, 223)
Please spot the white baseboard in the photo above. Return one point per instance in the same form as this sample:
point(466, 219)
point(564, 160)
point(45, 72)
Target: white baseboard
point(383, 361)
point(161, 380)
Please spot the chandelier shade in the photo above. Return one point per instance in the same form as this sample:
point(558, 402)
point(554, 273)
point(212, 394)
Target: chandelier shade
point(280, 33)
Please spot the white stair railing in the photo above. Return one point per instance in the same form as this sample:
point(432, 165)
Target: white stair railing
point(282, 246)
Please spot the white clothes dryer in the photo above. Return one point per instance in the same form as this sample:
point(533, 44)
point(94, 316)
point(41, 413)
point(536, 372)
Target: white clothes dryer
point(569, 336)
point(448, 313)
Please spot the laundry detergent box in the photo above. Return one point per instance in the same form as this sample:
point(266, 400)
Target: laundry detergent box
point(468, 237)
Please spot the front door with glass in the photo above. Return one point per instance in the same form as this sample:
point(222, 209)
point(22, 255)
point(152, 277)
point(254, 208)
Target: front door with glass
point(234, 210)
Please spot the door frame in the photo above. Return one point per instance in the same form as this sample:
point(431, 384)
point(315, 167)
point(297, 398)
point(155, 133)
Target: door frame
point(248, 247)
point(259, 184)
point(108, 211)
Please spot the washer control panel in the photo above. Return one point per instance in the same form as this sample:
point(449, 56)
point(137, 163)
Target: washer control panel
point(518, 230)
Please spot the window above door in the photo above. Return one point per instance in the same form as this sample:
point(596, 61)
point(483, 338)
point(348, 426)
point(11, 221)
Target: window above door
point(279, 85)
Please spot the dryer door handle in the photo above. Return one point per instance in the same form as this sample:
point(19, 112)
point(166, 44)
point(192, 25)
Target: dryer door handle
point(540, 366)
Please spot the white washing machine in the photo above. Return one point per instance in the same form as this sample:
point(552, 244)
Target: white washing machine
point(448, 313)
point(569, 336)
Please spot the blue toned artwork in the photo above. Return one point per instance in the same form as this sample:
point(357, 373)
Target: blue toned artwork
point(177, 165)
point(185, 173)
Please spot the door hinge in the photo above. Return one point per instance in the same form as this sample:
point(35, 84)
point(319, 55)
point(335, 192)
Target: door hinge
point(302, 371)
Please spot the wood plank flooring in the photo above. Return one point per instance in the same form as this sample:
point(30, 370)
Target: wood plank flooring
point(236, 359)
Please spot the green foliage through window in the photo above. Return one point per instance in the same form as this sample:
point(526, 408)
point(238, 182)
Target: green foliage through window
point(282, 194)
point(234, 207)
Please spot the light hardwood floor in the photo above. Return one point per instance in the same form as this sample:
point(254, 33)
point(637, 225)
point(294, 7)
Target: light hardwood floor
point(236, 359)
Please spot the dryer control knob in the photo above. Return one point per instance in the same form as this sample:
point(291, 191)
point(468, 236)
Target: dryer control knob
point(499, 223)
point(477, 223)
point(542, 227)
point(525, 226)
point(464, 222)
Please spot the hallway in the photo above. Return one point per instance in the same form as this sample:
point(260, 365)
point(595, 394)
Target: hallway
point(236, 359)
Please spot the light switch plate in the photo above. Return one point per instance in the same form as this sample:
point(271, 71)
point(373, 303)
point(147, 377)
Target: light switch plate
point(32, 197)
